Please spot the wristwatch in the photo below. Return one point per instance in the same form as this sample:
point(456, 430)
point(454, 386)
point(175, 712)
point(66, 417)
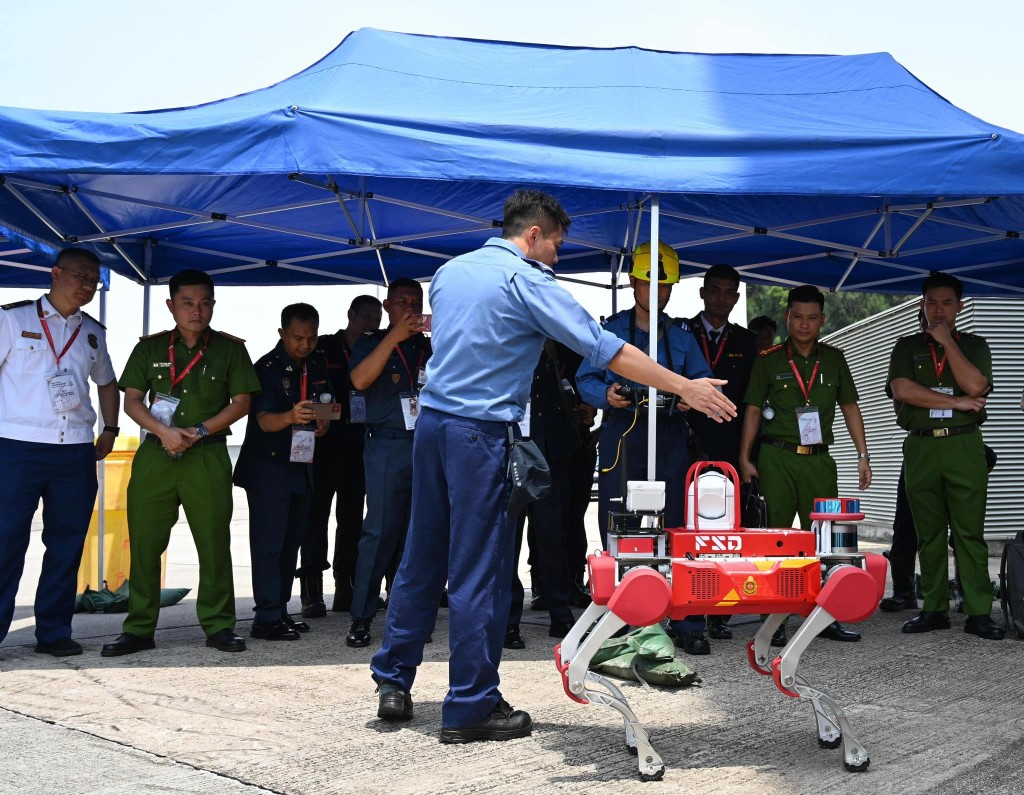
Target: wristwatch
point(202, 430)
point(863, 456)
point(114, 429)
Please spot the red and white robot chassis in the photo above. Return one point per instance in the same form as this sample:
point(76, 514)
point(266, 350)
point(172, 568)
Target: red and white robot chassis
point(650, 573)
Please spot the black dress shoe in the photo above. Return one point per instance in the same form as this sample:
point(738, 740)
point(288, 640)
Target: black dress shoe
point(897, 602)
point(62, 647)
point(514, 638)
point(539, 603)
point(580, 595)
point(225, 640)
point(127, 643)
point(298, 626)
point(359, 635)
point(273, 630)
point(779, 639)
point(982, 626)
point(314, 610)
point(559, 629)
point(926, 621)
point(504, 723)
point(693, 642)
point(836, 631)
point(718, 628)
point(393, 703)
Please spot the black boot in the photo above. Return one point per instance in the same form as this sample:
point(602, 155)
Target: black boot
point(311, 592)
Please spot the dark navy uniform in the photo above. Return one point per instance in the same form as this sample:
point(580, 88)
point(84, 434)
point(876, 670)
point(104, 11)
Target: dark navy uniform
point(337, 469)
point(388, 464)
point(731, 357)
point(278, 490)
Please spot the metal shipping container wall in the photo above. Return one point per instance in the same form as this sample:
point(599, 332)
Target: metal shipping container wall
point(867, 346)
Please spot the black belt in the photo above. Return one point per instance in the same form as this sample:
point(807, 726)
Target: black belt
point(219, 439)
point(938, 433)
point(799, 449)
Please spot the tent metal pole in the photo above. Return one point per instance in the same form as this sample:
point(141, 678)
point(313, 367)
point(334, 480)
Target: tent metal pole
point(147, 266)
point(101, 477)
point(652, 334)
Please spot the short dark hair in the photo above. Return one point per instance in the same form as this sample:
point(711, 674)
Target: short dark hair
point(74, 252)
point(806, 294)
point(939, 279)
point(404, 283)
point(190, 277)
point(724, 272)
point(363, 300)
point(762, 322)
point(526, 208)
point(304, 313)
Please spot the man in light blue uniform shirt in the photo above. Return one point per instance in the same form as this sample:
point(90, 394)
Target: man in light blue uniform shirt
point(492, 310)
point(623, 446)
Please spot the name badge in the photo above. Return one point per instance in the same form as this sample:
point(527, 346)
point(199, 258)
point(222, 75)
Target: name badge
point(303, 445)
point(410, 409)
point(808, 422)
point(63, 389)
point(941, 414)
point(356, 407)
point(524, 423)
point(421, 379)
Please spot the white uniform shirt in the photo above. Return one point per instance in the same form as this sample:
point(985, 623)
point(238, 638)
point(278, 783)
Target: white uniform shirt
point(26, 411)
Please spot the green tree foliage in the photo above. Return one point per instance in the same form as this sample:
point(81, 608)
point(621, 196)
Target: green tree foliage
point(841, 309)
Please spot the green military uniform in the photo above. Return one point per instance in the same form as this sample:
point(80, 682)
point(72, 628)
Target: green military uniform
point(199, 480)
point(946, 474)
point(793, 475)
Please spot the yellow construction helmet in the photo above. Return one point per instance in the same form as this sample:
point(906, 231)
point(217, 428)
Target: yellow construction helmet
point(668, 263)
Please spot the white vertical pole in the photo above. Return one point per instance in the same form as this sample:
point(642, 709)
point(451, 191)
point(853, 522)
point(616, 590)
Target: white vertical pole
point(101, 477)
point(655, 315)
point(147, 266)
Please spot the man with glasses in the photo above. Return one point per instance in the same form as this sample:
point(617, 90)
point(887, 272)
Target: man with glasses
point(49, 349)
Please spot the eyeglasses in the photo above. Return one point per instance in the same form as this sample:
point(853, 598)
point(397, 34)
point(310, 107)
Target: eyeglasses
point(84, 278)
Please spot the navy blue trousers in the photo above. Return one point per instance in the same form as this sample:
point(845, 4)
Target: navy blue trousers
point(461, 532)
point(388, 460)
point(64, 477)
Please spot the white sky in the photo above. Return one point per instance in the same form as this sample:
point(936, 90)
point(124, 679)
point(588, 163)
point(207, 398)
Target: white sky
point(121, 56)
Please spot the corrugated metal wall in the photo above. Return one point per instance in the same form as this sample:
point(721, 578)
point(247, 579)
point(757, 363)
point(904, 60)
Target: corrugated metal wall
point(867, 346)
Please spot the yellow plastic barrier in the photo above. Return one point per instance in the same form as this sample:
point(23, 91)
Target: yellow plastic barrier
point(116, 554)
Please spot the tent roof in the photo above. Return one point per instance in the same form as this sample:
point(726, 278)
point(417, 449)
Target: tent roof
point(395, 152)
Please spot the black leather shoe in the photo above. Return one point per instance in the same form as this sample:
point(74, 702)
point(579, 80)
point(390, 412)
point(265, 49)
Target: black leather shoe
point(127, 643)
point(982, 626)
point(62, 647)
point(836, 631)
point(273, 630)
point(314, 610)
point(779, 639)
point(298, 626)
point(539, 603)
point(514, 638)
point(359, 635)
point(580, 595)
point(897, 602)
point(225, 640)
point(693, 642)
point(559, 629)
point(926, 621)
point(718, 628)
point(504, 723)
point(393, 703)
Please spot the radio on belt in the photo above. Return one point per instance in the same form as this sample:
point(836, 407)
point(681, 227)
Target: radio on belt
point(645, 495)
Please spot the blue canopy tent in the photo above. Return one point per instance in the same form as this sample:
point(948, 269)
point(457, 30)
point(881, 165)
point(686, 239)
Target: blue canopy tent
point(394, 152)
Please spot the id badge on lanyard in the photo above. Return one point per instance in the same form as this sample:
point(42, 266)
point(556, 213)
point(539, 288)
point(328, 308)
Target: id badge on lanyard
point(356, 407)
point(303, 445)
point(163, 408)
point(410, 409)
point(941, 414)
point(63, 391)
point(524, 423)
point(808, 421)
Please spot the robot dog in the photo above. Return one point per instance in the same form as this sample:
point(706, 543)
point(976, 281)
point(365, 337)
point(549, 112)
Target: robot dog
point(715, 567)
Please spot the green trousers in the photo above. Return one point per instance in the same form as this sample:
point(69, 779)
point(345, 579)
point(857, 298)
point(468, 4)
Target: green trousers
point(199, 482)
point(790, 483)
point(947, 484)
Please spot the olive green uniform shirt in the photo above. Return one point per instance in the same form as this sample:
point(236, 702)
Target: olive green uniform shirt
point(912, 358)
point(224, 370)
point(772, 380)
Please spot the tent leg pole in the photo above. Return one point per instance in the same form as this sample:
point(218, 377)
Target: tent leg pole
point(655, 319)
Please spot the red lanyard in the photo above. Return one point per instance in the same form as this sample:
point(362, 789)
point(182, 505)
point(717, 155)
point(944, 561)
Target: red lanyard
point(49, 339)
point(177, 379)
point(304, 384)
point(939, 366)
point(804, 388)
point(721, 348)
point(412, 381)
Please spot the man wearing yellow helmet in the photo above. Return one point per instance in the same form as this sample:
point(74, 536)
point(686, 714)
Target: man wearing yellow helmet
point(623, 442)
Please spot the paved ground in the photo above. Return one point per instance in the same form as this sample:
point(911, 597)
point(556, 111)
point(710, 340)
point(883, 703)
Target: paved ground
point(939, 713)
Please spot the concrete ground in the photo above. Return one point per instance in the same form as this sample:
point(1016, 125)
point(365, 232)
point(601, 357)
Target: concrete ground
point(938, 712)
